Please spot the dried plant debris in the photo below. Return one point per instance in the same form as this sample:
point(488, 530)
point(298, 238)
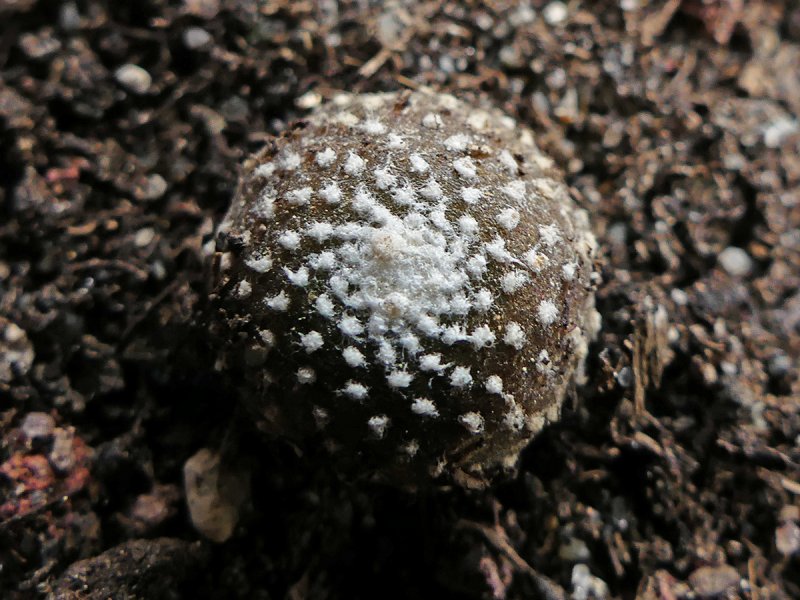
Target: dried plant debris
point(408, 276)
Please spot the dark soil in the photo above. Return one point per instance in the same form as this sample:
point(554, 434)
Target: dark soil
point(674, 473)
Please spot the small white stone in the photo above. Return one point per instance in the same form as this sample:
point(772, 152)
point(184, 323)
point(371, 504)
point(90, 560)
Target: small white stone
point(134, 78)
point(279, 302)
point(424, 407)
point(311, 341)
point(494, 384)
point(473, 421)
point(353, 357)
point(326, 157)
point(547, 312)
point(735, 261)
point(306, 375)
point(460, 377)
point(378, 425)
point(514, 336)
point(555, 13)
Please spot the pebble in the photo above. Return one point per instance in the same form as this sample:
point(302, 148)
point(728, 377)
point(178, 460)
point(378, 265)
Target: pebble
point(37, 425)
point(153, 188)
point(787, 538)
point(710, 582)
point(68, 17)
point(133, 78)
point(555, 13)
point(61, 457)
point(735, 261)
point(16, 351)
point(196, 38)
point(213, 495)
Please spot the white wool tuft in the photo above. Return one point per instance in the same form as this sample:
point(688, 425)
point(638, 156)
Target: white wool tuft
point(424, 407)
point(465, 167)
point(326, 157)
point(298, 278)
point(432, 362)
point(418, 164)
point(547, 312)
point(494, 384)
point(378, 425)
point(508, 218)
point(354, 165)
point(289, 240)
point(353, 357)
point(351, 326)
point(512, 281)
point(515, 335)
point(355, 390)
point(471, 195)
point(399, 379)
point(306, 375)
point(311, 341)
point(324, 306)
point(331, 193)
point(460, 377)
point(473, 421)
point(279, 303)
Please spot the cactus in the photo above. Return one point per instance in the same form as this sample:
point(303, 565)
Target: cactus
point(403, 279)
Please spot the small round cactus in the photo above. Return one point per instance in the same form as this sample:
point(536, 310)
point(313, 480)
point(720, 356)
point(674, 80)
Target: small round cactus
point(404, 279)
